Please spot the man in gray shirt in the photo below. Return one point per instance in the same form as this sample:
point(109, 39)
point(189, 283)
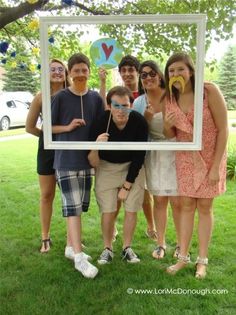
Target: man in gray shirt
point(74, 110)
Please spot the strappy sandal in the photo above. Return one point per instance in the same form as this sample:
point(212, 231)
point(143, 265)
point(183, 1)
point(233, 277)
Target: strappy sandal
point(151, 234)
point(157, 252)
point(46, 245)
point(177, 251)
point(183, 259)
point(202, 261)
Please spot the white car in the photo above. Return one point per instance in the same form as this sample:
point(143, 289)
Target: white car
point(13, 110)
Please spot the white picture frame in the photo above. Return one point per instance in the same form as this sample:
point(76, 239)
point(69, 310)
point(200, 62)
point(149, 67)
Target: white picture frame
point(198, 19)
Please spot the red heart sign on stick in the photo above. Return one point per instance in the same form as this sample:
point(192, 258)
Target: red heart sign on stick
point(107, 50)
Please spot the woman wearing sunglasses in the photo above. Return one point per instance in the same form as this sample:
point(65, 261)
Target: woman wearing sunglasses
point(45, 158)
point(159, 165)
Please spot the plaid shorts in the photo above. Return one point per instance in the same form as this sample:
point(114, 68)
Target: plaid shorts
point(75, 189)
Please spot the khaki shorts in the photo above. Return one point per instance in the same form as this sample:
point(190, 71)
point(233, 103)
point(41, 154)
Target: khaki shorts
point(109, 178)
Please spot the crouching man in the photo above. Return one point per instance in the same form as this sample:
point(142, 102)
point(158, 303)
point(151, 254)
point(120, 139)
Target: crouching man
point(119, 174)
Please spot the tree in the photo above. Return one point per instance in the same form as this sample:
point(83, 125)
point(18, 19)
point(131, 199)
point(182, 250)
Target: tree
point(20, 80)
point(20, 31)
point(227, 77)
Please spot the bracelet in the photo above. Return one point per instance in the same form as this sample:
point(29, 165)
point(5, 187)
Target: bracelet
point(125, 188)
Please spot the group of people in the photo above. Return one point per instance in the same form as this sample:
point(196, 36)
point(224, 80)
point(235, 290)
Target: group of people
point(150, 106)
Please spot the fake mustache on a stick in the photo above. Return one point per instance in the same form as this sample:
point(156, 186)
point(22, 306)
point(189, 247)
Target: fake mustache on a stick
point(80, 83)
point(176, 79)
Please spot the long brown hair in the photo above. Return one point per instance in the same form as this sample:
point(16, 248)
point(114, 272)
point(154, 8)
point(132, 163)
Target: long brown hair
point(180, 56)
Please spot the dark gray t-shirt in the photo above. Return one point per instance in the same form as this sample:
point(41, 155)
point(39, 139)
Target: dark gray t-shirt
point(65, 107)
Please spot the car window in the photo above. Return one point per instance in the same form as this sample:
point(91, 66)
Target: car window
point(11, 104)
point(20, 104)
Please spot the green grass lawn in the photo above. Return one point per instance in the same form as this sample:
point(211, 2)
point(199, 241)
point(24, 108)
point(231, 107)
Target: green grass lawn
point(231, 114)
point(32, 283)
point(12, 132)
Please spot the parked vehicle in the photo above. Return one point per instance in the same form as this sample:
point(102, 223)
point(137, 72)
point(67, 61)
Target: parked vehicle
point(14, 109)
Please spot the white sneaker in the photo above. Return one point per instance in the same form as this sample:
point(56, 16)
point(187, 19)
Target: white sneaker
point(82, 265)
point(69, 253)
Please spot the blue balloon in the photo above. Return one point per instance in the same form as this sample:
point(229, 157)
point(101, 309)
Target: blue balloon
point(51, 40)
point(68, 2)
point(4, 47)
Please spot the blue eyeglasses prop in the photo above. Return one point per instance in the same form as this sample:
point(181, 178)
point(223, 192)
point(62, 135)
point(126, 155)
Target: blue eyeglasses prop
point(123, 107)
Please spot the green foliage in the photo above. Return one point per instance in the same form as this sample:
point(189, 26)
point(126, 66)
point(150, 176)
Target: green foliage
point(231, 156)
point(158, 40)
point(231, 164)
point(227, 77)
point(211, 72)
point(20, 80)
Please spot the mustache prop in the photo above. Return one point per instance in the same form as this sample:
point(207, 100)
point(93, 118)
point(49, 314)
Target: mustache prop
point(176, 79)
point(80, 83)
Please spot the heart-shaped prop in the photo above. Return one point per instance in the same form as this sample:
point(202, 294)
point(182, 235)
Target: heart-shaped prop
point(107, 50)
point(106, 53)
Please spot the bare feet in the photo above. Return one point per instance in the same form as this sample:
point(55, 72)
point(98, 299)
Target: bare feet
point(200, 271)
point(176, 252)
point(159, 252)
point(201, 266)
point(182, 262)
point(175, 268)
point(151, 234)
point(46, 246)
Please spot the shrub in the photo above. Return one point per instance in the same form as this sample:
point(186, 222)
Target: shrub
point(231, 164)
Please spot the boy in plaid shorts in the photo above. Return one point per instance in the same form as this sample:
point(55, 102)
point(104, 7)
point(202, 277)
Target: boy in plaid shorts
point(74, 110)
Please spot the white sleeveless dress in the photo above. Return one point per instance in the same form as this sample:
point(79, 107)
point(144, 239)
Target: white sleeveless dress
point(160, 165)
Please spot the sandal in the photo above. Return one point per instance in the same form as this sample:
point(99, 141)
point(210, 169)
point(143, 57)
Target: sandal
point(182, 262)
point(204, 262)
point(151, 234)
point(177, 251)
point(46, 245)
point(157, 252)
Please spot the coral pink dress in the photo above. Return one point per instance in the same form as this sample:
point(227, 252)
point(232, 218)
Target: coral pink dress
point(192, 167)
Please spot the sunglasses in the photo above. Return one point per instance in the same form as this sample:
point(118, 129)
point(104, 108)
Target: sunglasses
point(57, 69)
point(123, 107)
point(144, 75)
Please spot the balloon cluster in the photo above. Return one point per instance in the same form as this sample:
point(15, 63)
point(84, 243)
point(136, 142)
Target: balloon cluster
point(33, 25)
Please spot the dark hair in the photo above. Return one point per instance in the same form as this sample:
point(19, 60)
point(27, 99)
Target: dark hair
point(78, 58)
point(129, 60)
point(153, 65)
point(180, 56)
point(120, 91)
point(67, 82)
